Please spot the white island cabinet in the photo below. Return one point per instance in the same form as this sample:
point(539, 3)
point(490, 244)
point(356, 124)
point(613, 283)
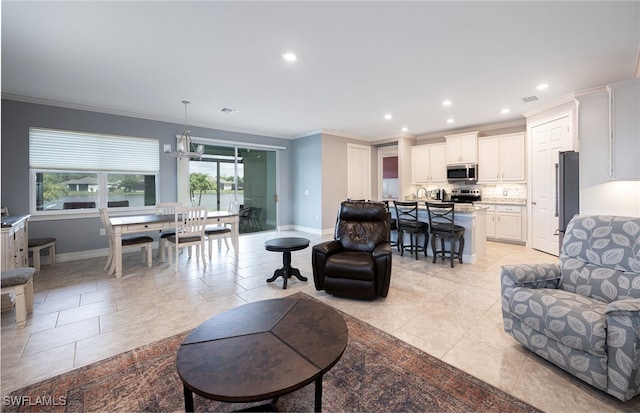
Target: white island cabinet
point(474, 221)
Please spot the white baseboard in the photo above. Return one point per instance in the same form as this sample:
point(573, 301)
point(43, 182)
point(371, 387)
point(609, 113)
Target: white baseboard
point(317, 231)
point(83, 255)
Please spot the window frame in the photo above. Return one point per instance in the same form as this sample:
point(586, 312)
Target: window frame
point(102, 201)
point(102, 175)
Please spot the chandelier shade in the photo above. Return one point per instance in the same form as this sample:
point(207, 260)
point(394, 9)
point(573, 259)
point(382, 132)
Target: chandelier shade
point(185, 148)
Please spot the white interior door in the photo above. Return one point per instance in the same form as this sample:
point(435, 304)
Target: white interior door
point(547, 140)
point(358, 171)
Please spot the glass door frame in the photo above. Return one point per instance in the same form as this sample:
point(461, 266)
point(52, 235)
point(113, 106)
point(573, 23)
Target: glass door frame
point(183, 168)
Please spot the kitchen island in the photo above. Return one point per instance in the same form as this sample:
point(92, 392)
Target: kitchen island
point(474, 221)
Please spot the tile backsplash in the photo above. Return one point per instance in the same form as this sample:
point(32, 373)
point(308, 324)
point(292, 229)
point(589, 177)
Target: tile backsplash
point(510, 191)
point(504, 191)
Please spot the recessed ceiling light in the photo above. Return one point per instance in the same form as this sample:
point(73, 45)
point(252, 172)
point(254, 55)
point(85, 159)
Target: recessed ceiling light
point(388, 116)
point(450, 120)
point(447, 103)
point(404, 129)
point(542, 86)
point(289, 56)
point(505, 110)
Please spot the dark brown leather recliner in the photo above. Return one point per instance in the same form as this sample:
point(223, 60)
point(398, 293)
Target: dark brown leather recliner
point(357, 263)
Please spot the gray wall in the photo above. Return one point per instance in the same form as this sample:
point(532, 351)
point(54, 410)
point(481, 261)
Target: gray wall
point(306, 178)
point(82, 234)
point(320, 167)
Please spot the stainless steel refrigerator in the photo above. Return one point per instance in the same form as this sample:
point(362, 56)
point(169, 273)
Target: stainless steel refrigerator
point(568, 190)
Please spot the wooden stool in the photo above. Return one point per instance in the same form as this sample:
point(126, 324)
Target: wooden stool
point(38, 244)
point(19, 281)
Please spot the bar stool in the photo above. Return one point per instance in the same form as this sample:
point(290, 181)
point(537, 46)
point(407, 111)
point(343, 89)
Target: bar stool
point(407, 221)
point(19, 281)
point(394, 227)
point(38, 244)
point(442, 223)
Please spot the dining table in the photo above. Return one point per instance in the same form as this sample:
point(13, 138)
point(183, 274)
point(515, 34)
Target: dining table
point(132, 224)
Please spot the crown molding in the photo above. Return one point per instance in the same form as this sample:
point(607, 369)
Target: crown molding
point(571, 97)
point(477, 128)
point(129, 114)
point(343, 135)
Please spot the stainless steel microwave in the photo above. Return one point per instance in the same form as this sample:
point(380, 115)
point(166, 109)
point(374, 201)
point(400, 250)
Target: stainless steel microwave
point(468, 172)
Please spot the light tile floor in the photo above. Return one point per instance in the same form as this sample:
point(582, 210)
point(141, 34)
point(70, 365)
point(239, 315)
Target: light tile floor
point(82, 315)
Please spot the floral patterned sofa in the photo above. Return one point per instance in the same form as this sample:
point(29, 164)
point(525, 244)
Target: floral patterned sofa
point(583, 314)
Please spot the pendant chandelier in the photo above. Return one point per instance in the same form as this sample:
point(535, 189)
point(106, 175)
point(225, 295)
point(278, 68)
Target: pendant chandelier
point(186, 148)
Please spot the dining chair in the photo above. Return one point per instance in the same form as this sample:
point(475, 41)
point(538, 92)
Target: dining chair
point(189, 223)
point(118, 204)
point(144, 241)
point(220, 232)
point(407, 221)
point(245, 217)
point(442, 222)
point(254, 218)
point(165, 208)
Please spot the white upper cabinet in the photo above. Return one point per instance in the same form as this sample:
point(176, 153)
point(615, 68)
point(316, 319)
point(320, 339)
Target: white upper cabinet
point(428, 163)
point(624, 118)
point(501, 159)
point(462, 148)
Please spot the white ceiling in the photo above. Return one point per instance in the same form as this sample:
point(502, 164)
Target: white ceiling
point(356, 60)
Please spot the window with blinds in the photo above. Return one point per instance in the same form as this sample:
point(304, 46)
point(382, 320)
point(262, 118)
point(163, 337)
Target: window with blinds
point(75, 170)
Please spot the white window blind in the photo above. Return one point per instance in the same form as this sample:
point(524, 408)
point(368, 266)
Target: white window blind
point(81, 151)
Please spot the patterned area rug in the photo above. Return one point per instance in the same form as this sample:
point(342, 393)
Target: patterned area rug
point(377, 373)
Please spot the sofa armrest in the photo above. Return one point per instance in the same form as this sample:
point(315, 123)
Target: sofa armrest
point(382, 255)
point(628, 307)
point(538, 275)
point(623, 361)
point(382, 250)
point(527, 276)
point(327, 247)
point(319, 255)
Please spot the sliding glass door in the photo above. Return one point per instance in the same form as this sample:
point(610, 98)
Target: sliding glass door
point(259, 189)
point(233, 173)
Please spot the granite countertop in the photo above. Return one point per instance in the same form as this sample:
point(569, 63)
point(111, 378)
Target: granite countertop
point(459, 207)
point(503, 201)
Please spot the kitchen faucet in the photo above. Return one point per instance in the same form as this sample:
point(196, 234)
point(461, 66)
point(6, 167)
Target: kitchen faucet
point(418, 192)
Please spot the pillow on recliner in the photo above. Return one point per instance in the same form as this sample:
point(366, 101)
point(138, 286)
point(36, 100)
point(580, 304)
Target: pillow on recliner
point(358, 227)
point(360, 236)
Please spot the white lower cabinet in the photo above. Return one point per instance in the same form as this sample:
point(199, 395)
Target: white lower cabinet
point(506, 223)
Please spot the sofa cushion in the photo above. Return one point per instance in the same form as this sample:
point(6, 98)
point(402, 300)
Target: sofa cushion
point(577, 322)
point(600, 257)
point(350, 264)
point(594, 281)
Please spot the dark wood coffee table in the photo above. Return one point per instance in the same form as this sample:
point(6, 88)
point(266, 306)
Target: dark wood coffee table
point(261, 351)
point(286, 245)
